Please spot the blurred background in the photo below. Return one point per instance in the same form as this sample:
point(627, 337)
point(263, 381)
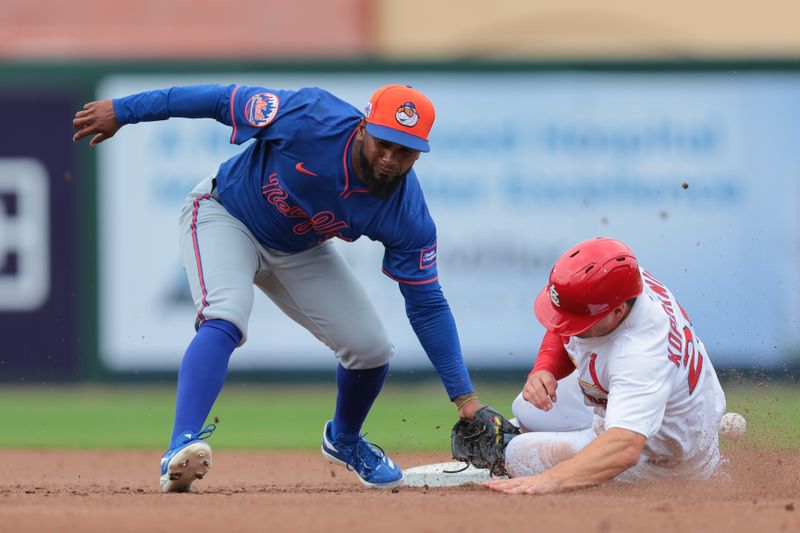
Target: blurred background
point(674, 127)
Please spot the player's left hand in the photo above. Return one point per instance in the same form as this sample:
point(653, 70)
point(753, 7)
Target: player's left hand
point(98, 119)
point(539, 484)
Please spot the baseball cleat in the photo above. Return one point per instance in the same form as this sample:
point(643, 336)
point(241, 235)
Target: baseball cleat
point(366, 459)
point(186, 462)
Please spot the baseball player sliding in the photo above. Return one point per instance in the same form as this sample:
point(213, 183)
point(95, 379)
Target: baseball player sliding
point(617, 336)
point(317, 168)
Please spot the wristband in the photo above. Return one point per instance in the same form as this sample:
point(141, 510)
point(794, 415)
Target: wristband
point(465, 402)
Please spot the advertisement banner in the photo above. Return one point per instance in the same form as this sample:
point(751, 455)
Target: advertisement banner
point(698, 173)
point(38, 239)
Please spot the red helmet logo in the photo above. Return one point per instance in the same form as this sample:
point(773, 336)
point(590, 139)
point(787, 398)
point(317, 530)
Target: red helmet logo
point(554, 296)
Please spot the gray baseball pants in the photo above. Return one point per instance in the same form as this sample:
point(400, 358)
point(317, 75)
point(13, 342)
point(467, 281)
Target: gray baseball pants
point(315, 287)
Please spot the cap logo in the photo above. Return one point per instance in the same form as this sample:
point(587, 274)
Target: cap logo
point(407, 115)
point(554, 296)
point(368, 109)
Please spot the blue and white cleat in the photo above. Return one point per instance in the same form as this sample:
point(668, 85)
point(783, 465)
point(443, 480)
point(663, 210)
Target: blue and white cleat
point(367, 460)
point(182, 464)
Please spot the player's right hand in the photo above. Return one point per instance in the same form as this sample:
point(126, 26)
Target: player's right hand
point(98, 119)
point(540, 389)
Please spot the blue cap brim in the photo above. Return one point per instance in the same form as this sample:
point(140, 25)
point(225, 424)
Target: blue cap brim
point(386, 133)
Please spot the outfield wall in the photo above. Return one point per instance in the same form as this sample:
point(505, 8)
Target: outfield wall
point(40, 246)
point(526, 160)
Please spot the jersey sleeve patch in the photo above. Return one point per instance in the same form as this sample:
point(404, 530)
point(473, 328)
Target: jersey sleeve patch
point(427, 257)
point(261, 109)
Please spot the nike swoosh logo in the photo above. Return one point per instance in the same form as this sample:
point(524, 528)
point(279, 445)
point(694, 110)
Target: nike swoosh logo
point(299, 167)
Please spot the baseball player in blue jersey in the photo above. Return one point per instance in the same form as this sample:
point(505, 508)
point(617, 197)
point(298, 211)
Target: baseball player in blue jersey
point(317, 168)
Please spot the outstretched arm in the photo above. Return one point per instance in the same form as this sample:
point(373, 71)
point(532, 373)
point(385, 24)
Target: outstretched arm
point(252, 112)
point(432, 321)
point(606, 457)
point(104, 118)
point(97, 119)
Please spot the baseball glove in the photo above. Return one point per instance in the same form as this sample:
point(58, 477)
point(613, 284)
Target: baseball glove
point(481, 441)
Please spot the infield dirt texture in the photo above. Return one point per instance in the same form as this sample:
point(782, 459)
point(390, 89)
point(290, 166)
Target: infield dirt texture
point(63, 468)
point(299, 491)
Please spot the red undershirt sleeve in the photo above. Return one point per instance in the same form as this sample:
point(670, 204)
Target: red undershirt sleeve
point(553, 357)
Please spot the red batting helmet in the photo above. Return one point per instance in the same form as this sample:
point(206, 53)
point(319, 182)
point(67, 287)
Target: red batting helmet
point(586, 284)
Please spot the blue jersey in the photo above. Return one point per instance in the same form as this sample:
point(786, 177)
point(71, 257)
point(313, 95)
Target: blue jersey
point(295, 186)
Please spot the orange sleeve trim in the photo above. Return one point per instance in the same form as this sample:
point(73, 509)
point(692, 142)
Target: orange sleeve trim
point(424, 282)
point(233, 115)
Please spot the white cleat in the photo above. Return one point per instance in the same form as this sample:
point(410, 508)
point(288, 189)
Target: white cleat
point(184, 466)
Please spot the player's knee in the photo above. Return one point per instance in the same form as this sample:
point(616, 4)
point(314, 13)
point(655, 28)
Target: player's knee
point(365, 355)
point(519, 408)
point(530, 417)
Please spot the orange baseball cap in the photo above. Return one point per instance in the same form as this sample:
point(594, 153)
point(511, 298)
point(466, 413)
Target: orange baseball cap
point(402, 115)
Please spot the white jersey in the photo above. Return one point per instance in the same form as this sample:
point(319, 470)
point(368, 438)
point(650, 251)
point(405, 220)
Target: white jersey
point(652, 375)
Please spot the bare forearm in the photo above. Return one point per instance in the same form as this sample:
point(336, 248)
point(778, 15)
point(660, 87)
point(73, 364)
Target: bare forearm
point(605, 458)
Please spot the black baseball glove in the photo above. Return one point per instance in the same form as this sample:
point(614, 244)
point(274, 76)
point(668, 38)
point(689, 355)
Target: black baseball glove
point(481, 441)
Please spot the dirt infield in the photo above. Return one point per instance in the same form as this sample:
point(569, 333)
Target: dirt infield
point(300, 491)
